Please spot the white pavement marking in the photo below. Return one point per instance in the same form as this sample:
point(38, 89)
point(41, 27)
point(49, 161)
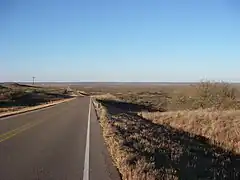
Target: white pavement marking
point(86, 161)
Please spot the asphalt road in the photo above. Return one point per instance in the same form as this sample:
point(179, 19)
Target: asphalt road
point(63, 142)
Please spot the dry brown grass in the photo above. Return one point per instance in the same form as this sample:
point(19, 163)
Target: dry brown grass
point(145, 150)
point(174, 97)
point(121, 154)
point(203, 95)
point(15, 96)
point(222, 128)
point(173, 132)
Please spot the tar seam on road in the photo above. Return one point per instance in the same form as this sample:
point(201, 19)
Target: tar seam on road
point(86, 161)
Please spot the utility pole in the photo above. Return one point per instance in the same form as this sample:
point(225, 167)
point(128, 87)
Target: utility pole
point(33, 79)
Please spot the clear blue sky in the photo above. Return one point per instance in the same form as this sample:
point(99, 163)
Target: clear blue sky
point(119, 40)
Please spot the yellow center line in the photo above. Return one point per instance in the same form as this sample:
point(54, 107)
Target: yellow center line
point(18, 130)
point(12, 131)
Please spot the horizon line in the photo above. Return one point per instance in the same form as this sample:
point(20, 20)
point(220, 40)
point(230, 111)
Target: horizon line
point(122, 82)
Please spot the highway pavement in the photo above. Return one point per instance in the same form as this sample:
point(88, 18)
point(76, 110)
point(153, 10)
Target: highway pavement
point(63, 142)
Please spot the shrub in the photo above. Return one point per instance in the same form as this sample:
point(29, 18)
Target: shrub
point(215, 95)
point(208, 95)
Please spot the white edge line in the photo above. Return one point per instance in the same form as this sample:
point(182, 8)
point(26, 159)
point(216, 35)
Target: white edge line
point(86, 161)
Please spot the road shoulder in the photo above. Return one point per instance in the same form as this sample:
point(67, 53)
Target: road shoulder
point(101, 165)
